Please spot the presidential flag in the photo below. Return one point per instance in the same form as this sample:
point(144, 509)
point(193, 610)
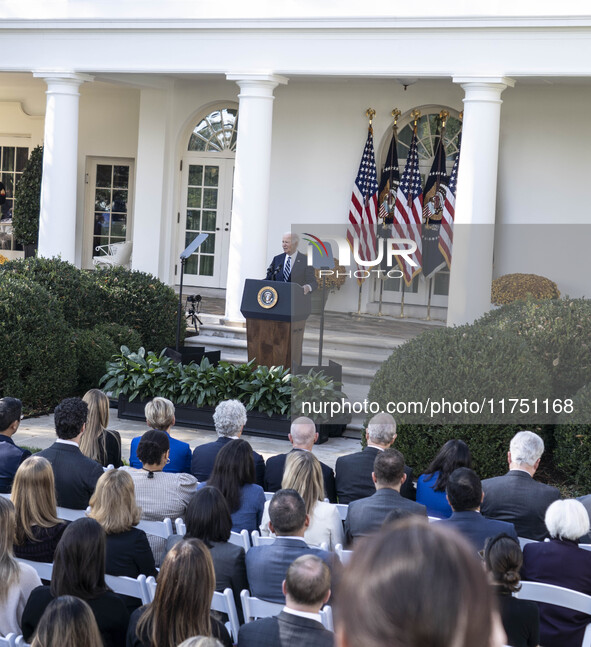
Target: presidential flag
point(446, 231)
point(389, 182)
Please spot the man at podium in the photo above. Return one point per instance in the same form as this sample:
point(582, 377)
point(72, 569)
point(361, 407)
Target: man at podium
point(291, 266)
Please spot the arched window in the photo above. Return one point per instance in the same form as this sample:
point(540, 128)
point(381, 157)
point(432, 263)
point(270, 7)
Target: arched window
point(216, 132)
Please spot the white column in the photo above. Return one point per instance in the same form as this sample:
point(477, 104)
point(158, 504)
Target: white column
point(252, 177)
point(57, 223)
point(472, 255)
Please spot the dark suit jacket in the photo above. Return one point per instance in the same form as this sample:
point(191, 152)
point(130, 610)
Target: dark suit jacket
point(367, 515)
point(129, 554)
point(274, 474)
point(266, 566)
point(517, 498)
point(301, 272)
point(353, 476)
point(477, 528)
point(75, 475)
point(285, 630)
point(11, 456)
point(204, 458)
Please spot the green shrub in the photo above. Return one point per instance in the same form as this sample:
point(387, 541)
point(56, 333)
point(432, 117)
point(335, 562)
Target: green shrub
point(514, 287)
point(27, 203)
point(120, 335)
point(37, 362)
point(93, 349)
point(469, 363)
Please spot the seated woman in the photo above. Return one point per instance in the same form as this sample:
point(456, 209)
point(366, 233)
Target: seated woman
point(208, 518)
point(38, 529)
point(181, 606)
point(303, 473)
point(99, 443)
point(431, 485)
point(521, 618)
point(67, 622)
point(157, 493)
point(560, 561)
point(233, 474)
point(79, 570)
point(16, 580)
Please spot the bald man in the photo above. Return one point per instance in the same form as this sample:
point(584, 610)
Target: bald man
point(302, 436)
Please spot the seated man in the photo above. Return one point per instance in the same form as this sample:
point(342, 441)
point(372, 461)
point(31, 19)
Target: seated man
point(266, 566)
point(464, 494)
point(11, 456)
point(353, 472)
point(229, 419)
point(367, 515)
point(302, 436)
point(75, 474)
point(160, 415)
point(306, 588)
point(515, 496)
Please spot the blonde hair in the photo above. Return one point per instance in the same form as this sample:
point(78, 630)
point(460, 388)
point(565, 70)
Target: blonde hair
point(113, 502)
point(67, 622)
point(201, 641)
point(9, 568)
point(159, 414)
point(303, 474)
point(92, 443)
point(33, 495)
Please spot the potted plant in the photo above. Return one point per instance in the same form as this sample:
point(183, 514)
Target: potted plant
point(27, 203)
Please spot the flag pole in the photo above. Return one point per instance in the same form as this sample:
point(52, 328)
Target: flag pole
point(381, 296)
point(428, 317)
point(402, 315)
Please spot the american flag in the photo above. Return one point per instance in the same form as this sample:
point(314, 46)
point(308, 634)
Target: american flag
point(363, 211)
point(408, 211)
point(446, 231)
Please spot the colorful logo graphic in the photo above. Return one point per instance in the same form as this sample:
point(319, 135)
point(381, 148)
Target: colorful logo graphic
point(320, 246)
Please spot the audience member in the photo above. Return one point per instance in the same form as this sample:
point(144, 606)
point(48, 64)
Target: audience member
point(353, 472)
point(306, 588)
point(38, 529)
point(99, 443)
point(181, 606)
point(560, 561)
point(159, 414)
point(67, 622)
point(11, 456)
point(208, 518)
point(75, 474)
point(304, 475)
point(515, 496)
point(229, 419)
point(431, 485)
point(266, 566)
point(233, 475)
point(158, 494)
point(412, 585)
point(367, 515)
point(464, 493)
point(521, 618)
point(17, 580)
point(79, 570)
point(302, 436)
point(201, 641)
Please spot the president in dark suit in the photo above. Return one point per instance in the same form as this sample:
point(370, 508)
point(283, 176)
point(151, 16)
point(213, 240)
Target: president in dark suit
point(367, 515)
point(302, 436)
point(75, 474)
point(11, 456)
point(306, 588)
point(464, 493)
point(229, 419)
point(515, 496)
point(353, 472)
point(292, 266)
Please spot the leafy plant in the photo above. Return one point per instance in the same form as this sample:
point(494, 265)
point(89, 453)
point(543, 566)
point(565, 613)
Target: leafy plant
point(312, 395)
point(27, 202)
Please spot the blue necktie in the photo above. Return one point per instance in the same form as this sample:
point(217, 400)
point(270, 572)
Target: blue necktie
point(287, 269)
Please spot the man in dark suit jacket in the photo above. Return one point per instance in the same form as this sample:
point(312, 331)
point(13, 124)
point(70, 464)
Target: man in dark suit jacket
point(515, 496)
point(229, 419)
point(266, 566)
point(11, 456)
point(353, 472)
point(298, 270)
point(302, 436)
point(367, 515)
point(464, 493)
point(75, 474)
point(306, 588)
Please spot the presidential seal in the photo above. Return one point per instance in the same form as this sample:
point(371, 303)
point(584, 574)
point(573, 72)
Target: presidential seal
point(267, 297)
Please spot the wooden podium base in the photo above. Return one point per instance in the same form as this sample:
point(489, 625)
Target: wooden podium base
point(275, 343)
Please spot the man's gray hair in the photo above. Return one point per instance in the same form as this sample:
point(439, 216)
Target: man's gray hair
point(567, 519)
point(229, 417)
point(294, 237)
point(526, 447)
point(303, 431)
point(382, 429)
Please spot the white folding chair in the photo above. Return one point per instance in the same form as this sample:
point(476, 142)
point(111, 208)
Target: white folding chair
point(180, 527)
point(326, 617)
point(585, 546)
point(44, 569)
point(524, 540)
point(134, 587)
point(158, 528)
point(258, 540)
point(150, 587)
point(20, 642)
point(8, 641)
point(113, 254)
point(240, 539)
point(269, 495)
point(253, 608)
point(224, 603)
point(343, 509)
point(343, 555)
point(68, 514)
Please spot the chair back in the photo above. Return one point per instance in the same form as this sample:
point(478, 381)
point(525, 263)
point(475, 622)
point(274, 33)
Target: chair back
point(224, 603)
point(344, 555)
point(134, 587)
point(343, 509)
point(151, 587)
point(253, 608)
point(326, 617)
point(269, 495)
point(240, 539)
point(121, 253)
point(158, 528)
point(258, 540)
point(44, 569)
point(180, 527)
point(524, 541)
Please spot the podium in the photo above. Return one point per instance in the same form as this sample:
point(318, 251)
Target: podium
point(275, 314)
